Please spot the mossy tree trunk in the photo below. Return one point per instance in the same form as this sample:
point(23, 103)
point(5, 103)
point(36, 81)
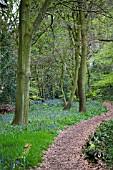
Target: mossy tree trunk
point(76, 37)
point(82, 70)
point(23, 75)
point(43, 88)
point(62, 82)
point(26, 31)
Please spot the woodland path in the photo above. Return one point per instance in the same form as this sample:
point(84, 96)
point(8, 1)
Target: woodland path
point(66, 152)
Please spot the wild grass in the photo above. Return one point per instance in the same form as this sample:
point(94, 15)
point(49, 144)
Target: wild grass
point(21, 148)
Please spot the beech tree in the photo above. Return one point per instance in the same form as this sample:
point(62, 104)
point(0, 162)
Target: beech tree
point(26, 32)
point(82, 70)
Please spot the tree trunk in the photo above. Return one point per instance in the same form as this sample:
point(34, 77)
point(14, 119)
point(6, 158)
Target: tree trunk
point(23, 75)
point(76, 70)
point(37, 78)
point(62, 84)
point(43, 89)
point(82, 70)
point(88, 81)
point(26, 31)
point(53, 91)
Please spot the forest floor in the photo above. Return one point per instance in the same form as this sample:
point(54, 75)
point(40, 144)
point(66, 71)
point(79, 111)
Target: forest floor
point(66, 152)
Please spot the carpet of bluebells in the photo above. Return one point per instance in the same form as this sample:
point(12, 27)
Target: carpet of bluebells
point(45, 121)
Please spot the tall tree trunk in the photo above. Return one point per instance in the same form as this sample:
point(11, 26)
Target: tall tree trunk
point(43, 89)
point(23, 75)
point(88, 73)
point(62, 84)
point(75, 79)
point(82, 70)
point(27, 69)
point(53, 91)
point(76, 70)
point(26, 31)
point(36, 77)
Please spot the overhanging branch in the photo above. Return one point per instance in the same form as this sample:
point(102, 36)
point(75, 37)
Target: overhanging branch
point(38, 35)
point(106, 40)
point(40, 15)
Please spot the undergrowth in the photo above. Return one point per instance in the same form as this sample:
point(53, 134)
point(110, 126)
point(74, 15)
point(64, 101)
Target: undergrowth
point(21, 148)
point(100, 145)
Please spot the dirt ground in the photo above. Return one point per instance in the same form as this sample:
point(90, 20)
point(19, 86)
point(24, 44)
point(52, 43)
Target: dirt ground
point(66, 152)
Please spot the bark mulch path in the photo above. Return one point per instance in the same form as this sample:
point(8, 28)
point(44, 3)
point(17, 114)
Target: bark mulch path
point(66, 152)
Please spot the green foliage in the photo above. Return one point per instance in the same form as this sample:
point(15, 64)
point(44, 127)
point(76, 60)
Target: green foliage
point(101, 72)
point(106, 80)
point(8, 54)
point(33, 93)
point(93, 94)
point(102, 142)
point(21, 148)
point(8, 86)
point(104, 60)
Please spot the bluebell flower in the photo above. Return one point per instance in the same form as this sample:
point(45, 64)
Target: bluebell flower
point(9, 119)
point(53, 127)
point(18, 161)
point(3, 161)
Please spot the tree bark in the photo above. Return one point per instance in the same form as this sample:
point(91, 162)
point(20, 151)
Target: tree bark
point(43, 88)
point(26, 31)
point(82, 70)
point(62, 84)
point(53, 91)
point(23, 75)
point(88, 81)
point(76, 70)
point(41, 15)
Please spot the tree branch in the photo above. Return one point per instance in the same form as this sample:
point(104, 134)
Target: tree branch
point(40, 15)
point(41, 33)
point(106, 40)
